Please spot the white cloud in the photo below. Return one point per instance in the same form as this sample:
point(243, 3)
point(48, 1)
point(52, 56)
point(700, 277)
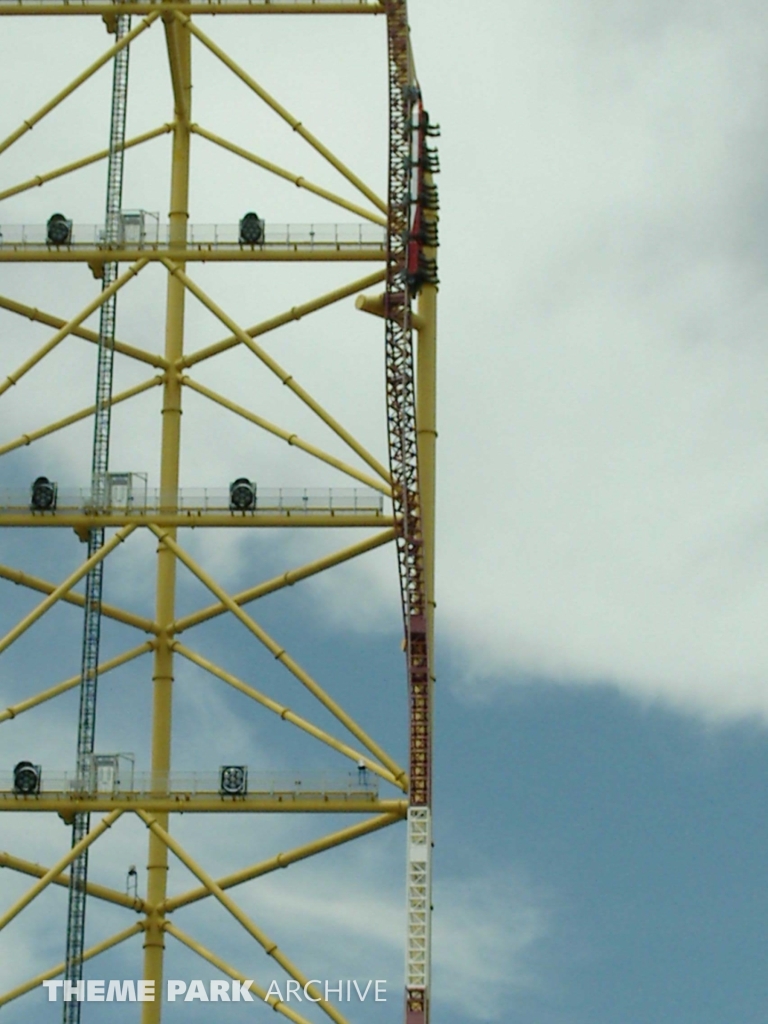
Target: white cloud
point(602, 310)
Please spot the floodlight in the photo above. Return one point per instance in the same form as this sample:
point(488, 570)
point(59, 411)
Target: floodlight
point(233, 780)
point(59, 229)
point(43, 496)
point(242, 495)
point(251, 229)
point(26, 778)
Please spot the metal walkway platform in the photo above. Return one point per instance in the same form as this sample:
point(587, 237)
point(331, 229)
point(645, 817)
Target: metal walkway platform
point(204, 241)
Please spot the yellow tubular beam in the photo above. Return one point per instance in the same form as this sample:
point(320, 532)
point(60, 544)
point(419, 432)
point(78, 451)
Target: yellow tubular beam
point(286, 435)
point(221, 965)
point(178, 45)
point(297, 179)
point(61, 334)
point(286, 579)
point(89, 954)
point(285, 713)
point(277, 369)
point(65, 587)
point(288, 519)
point(81, 332)
point(294, 802)
point(295, 124)
point(200, 252)
point(23, 579)
point(70, 684)
point(270, 948)
point(100, 892)
point(283, 860)
point(66, 421)
point(41, 179)
point(296, 313)
point(279, 653)
point(58, 867)
point(190, 7)
point(75, 83)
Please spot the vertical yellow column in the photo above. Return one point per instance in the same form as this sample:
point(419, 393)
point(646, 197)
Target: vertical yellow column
point(178, 43)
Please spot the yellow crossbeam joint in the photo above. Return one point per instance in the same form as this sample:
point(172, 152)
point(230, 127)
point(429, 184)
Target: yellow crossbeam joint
point(110, 611)
point(66, 586)
point(297, 179)
point(100, 892)
point(89, 954)
point(68, 327)
point(295, 313)
point(286, 579)
point(270, 948)
point(69, 684)
point(283, 860)
point(221, 965)
point(81, 332)
point(285, 713)
point(294, 122)
point(272, 364)
point(31, 121)
point(41, 179)
point(81, 414)
point(280, 654)
point(290, 438)
point(59, 866)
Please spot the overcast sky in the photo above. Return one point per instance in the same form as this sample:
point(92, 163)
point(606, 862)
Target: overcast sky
point(602, 556)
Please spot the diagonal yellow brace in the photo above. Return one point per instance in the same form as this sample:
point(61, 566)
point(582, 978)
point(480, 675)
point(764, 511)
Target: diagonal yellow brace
point(287, 436)
point(73, 681)
point(294, 122)
point(285, 713)
point(100, 892)
point(221, 965)
point(109, 611)
point(81, 332)
point(81, 414)
point(89, 954)
point(270, 948)
point(283, 860)
point(277, 369)
point(295, 313)
point(66, 586)
point(41, 179)
point(297, 179)
point(286, 579)
point(59, 866)
point(31, 121)
point(280, 654)
point(60, 335)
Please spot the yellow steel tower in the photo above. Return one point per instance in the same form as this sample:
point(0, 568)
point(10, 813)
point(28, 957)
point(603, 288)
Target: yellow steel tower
point(389, 497)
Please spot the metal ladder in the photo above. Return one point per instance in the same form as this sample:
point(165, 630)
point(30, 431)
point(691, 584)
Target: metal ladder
point(73, 970)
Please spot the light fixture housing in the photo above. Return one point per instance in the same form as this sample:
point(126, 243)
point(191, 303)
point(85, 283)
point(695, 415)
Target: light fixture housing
point(233, 780)
point(251, 229)
point(26, 778)
point(242, 495)
point(59, 229)
point(43, 495)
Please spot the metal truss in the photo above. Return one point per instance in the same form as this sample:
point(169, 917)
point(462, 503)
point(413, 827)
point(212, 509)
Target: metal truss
point(405, 249)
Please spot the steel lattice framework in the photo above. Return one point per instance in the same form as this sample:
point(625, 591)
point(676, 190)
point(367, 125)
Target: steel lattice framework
point(400, 233)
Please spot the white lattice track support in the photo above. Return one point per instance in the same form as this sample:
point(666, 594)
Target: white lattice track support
point(419, 896)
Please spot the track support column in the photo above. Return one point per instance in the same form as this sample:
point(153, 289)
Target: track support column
point(179, 55)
